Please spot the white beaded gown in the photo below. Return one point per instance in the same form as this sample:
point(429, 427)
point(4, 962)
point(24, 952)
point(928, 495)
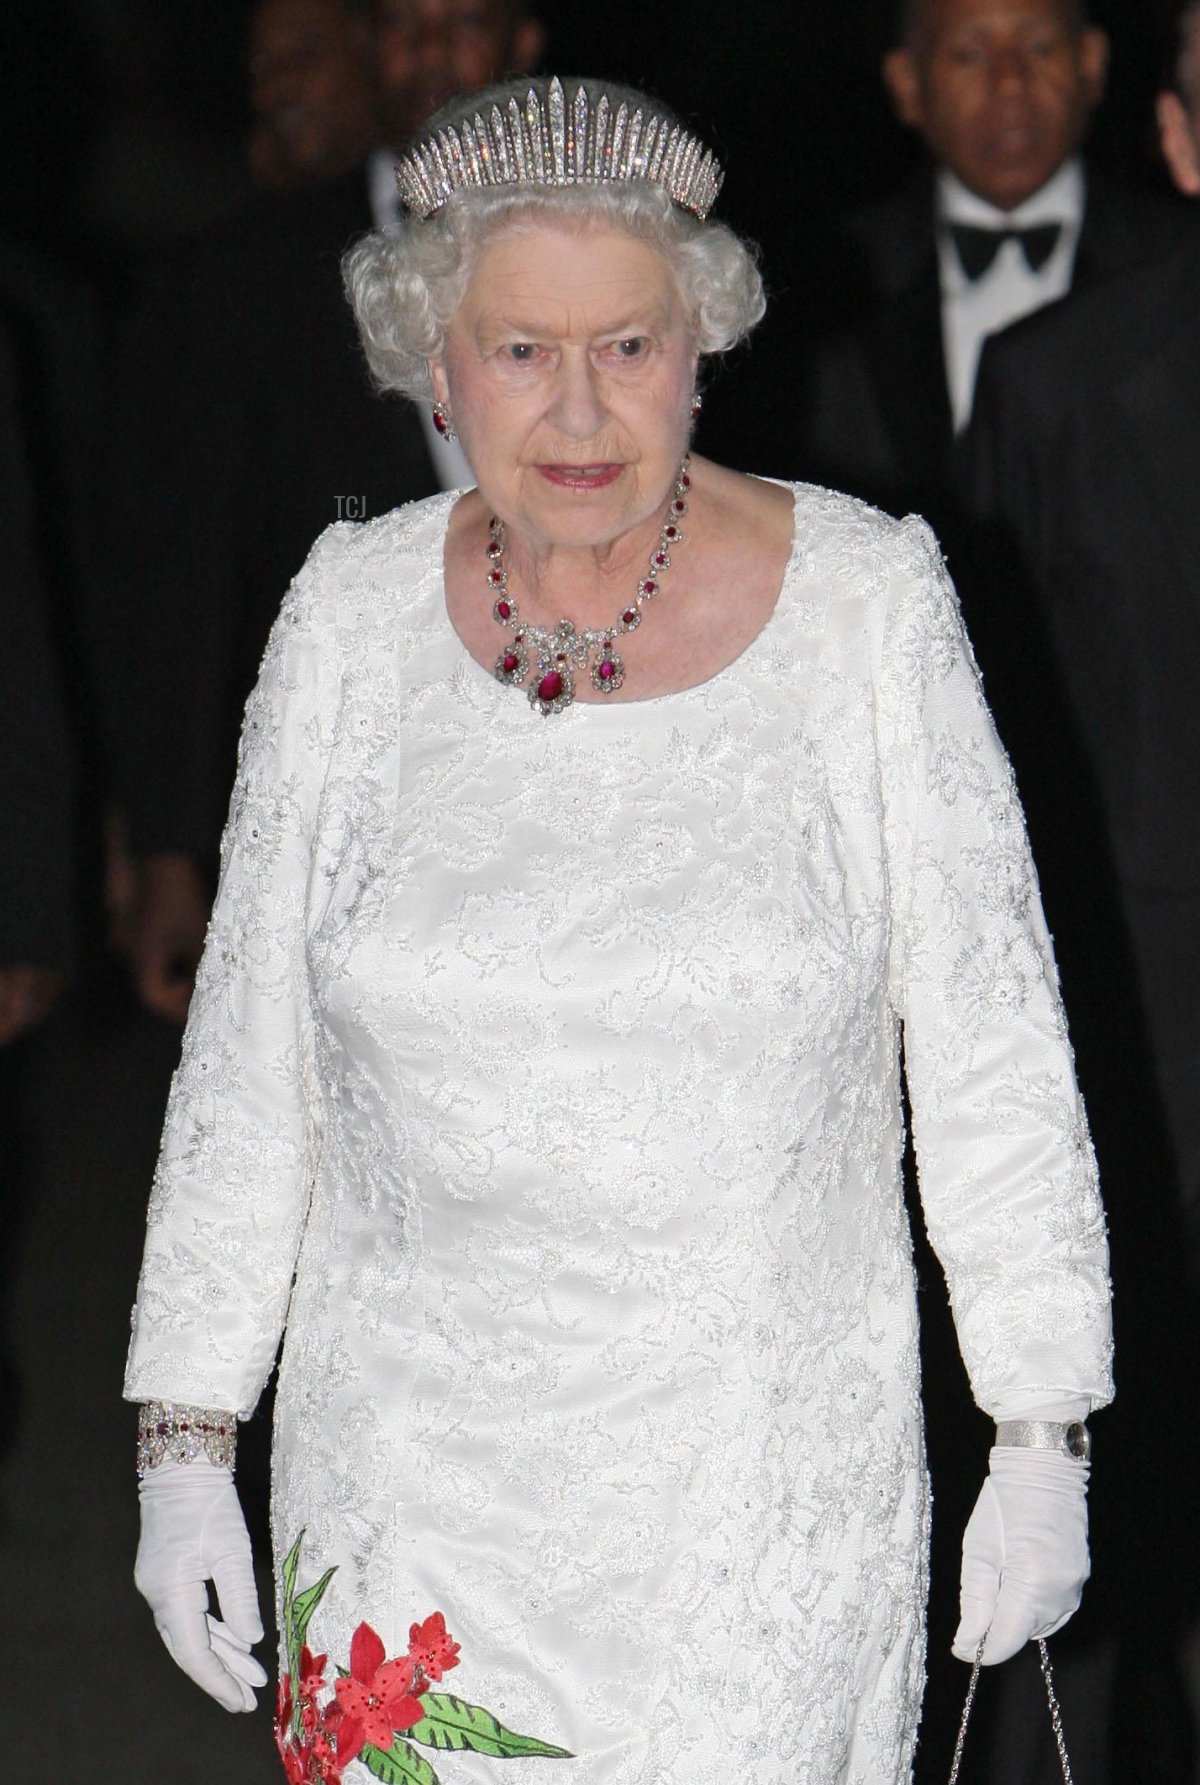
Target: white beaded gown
point(542, 1078)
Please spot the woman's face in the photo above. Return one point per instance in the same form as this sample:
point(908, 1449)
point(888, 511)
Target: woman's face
point(568, 372)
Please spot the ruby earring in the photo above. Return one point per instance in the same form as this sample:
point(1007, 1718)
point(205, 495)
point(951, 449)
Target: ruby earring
point(442, 422)
point(697, 405)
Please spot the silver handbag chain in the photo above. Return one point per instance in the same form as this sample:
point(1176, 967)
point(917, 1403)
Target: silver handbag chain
point(1060, 1740)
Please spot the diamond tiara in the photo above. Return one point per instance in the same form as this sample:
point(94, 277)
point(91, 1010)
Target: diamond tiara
point(550, 141)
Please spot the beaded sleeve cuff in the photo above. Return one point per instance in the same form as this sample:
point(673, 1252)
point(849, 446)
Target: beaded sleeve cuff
point(170, 1432)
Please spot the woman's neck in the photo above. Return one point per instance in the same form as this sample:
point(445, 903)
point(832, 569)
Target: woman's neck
point(590, 584)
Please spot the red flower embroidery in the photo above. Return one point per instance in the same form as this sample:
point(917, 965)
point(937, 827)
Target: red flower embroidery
point(309, 1763)
point(293, 1761)
point(377, 1700)
point(323, 1748)
point(431, 1647)
point(312, 1673)
point(312, 1763)
point(311, 1758)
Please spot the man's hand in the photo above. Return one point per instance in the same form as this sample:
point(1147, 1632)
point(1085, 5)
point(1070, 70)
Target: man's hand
point(27, 996)
point(164, 934)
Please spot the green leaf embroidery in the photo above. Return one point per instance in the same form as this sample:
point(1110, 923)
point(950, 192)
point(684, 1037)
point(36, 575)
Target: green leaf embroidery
point(401, 1765)
point(291, 1564)
point(451, 1723)
point(306, 1603)
point(297, 1616)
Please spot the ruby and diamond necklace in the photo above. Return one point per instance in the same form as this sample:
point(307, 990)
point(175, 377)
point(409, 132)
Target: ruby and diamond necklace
point(560, 653)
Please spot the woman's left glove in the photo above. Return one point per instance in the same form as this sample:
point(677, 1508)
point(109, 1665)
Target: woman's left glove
point(1025, 1552)
point(193, 1532)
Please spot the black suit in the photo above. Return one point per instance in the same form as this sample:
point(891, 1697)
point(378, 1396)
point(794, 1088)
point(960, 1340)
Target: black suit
point(868, 410)
point(1082, 590)
point(1085, 459)
point(36, 853)
point(251, 426)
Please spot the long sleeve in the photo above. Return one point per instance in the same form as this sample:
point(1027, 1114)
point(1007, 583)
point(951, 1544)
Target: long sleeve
point(242, 1136)
point(1007, 1176)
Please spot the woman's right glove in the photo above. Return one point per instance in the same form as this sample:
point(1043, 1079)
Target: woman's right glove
point(193, 1532)
point(1025, 1552)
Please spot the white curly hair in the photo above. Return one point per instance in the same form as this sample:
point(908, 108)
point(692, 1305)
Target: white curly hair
point(406, 288)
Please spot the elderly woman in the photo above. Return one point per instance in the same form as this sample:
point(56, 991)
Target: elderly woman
point(598, 833)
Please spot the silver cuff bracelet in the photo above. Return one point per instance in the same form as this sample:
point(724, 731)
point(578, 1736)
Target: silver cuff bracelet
point(1072, 1438)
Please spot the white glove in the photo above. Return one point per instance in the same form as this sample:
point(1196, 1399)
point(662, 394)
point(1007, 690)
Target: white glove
point(193, 1532)
point(1025, 1552)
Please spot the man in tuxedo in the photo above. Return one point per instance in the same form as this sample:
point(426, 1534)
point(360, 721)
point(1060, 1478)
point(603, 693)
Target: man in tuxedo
point(1081, 587)
point(251, 426)
point(1006, 218)
point(1084, 461)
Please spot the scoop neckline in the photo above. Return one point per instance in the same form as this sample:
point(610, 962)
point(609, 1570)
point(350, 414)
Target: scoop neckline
point(649, 700)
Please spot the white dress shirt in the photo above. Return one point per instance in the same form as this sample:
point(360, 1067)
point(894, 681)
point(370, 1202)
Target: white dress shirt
point(1010, 289)
point(450, 465)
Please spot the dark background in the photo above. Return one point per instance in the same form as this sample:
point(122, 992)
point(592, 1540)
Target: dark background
point(122, 121)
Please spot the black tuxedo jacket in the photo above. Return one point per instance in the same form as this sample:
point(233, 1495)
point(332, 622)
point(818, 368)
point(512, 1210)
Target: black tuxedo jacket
point(868, 409)
point(1081, 587)
point(1082, 467)
point(1080, 578)
point(250, 425)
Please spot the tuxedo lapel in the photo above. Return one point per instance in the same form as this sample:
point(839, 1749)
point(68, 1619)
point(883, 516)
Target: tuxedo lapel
point(895, 241)
point(908, 365)
point(902, 340)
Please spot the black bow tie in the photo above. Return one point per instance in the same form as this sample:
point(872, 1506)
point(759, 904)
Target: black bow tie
point(977, 248)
